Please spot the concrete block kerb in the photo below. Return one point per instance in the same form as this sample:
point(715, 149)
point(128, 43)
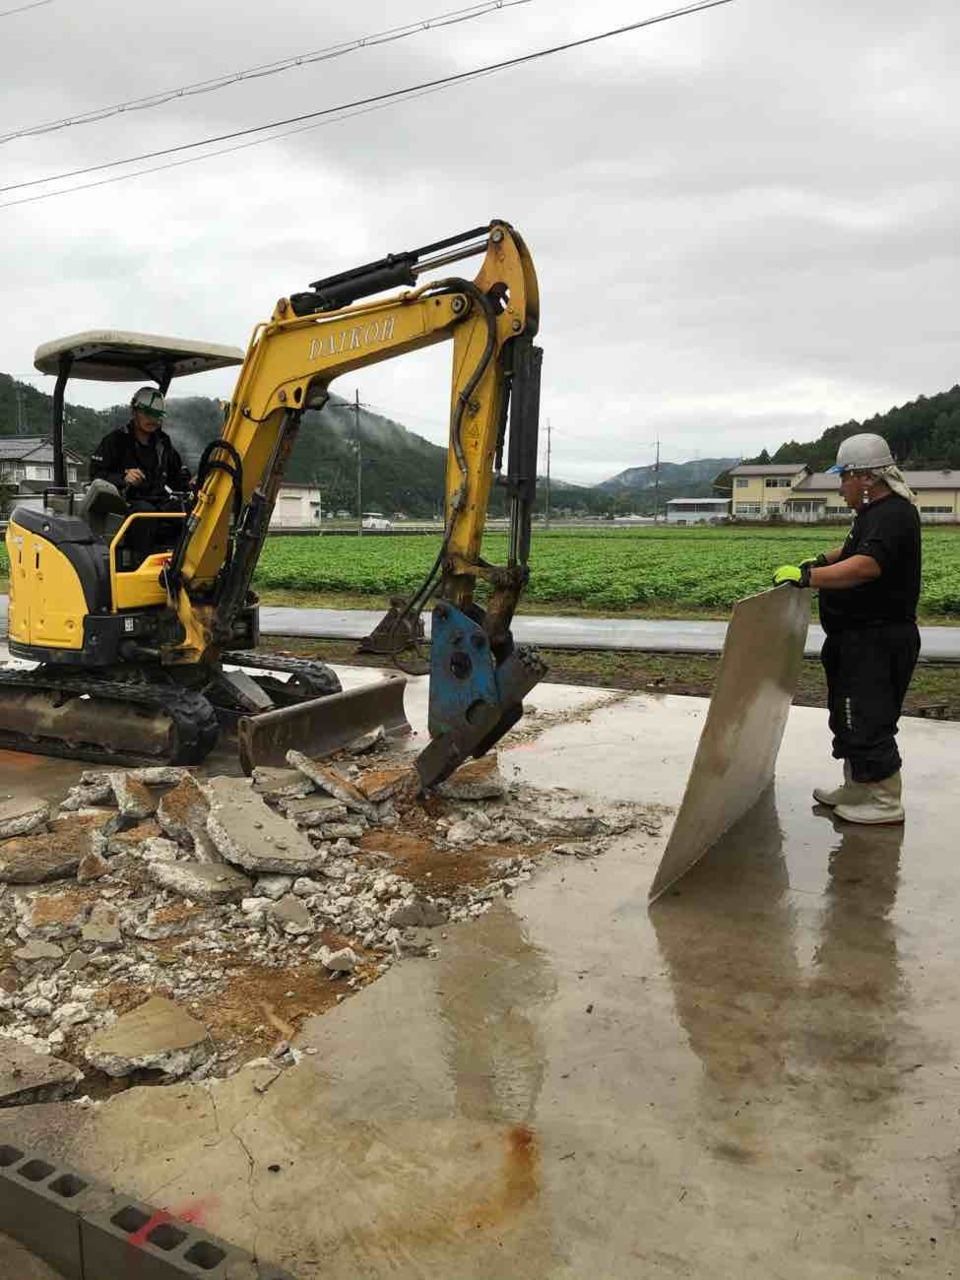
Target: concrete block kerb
point(87, 1232)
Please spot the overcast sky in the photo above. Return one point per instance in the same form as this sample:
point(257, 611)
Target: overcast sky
point(744, 221)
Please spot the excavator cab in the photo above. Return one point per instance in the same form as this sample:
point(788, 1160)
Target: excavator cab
point(101, 559)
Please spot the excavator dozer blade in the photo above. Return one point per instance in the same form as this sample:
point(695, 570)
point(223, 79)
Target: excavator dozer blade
point(322, 726)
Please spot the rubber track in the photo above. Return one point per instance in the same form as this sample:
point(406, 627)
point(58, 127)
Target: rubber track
point(323, 678)
point(192, 715)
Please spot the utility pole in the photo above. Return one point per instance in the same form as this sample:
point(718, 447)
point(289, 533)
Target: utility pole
point(20, 418)
point(356, 422)
point(656, 485)
point(546, 516)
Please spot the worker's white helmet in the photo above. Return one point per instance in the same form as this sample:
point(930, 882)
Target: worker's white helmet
point(863, 452)
point(149, 400)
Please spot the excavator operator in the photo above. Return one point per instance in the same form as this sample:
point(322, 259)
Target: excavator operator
point(140, 459)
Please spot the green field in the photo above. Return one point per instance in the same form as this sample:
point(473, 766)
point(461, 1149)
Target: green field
point(595, 570)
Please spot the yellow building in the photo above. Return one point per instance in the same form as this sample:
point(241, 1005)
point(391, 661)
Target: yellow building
point(788, 491)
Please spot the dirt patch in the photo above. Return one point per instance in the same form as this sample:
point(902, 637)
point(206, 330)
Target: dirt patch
point(442, 871)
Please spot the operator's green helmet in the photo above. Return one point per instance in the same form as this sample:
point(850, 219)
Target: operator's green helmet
point(863, 452)
point(149, 401)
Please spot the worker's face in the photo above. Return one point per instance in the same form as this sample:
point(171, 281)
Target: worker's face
point(856, 489)
point(146, 423)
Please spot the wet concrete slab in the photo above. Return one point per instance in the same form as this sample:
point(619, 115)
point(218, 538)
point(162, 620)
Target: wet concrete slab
point(758, 1076)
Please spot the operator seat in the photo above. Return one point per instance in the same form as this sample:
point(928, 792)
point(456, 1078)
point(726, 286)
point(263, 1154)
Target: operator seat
point(103, 509)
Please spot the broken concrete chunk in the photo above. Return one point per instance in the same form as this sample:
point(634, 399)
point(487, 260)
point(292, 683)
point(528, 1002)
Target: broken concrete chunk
point(419, 913)
point(273, 887)
point(103, 927)
point(280, 784)
point(342, 831)
point(22, 817)
point(157, 849)
point(53, 915)
point(89, 795)
point(183, 811)
point(313, 810)
point(343, 961)
point(92, 867)
point(331, 782)
point(479, 780)
point(248, 833)
point(135, 800)
point(158, 1036)
point(27, 1076)
point(292, 915)
point(111, 843)
point(367, 741)
point(48, 855)
point(463, 833)
point(159, 775)
point(37, 950)
point(200, 881)
point(380, 784)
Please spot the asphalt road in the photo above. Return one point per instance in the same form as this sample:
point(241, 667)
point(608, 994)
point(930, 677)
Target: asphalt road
point(642, 635)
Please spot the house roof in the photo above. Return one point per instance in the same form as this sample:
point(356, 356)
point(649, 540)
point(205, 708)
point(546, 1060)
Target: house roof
point(768, 469)
point(34, 448)
point(687, 502)
point(828, 482)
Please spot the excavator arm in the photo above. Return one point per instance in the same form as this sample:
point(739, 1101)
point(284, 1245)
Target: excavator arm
point(478, 676)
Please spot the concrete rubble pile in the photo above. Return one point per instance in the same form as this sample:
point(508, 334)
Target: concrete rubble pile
point(126, 913)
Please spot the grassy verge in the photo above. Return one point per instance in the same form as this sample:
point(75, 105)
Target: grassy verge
point(934, 686)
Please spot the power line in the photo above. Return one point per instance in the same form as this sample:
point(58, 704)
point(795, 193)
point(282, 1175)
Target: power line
point(211, 155)
point(392, 96)
point(22, 8)
point(450, 18)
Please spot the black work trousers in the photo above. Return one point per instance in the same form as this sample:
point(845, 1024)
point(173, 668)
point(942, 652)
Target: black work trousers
point(868, 670)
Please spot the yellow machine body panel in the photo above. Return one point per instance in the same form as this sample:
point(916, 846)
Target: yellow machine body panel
point(47, 604)
point(139, 588)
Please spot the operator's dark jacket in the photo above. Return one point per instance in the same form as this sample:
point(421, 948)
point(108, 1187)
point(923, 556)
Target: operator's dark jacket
point(119, 452)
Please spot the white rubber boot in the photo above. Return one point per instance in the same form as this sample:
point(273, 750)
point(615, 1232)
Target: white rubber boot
point(881, 803)
point(849, 792)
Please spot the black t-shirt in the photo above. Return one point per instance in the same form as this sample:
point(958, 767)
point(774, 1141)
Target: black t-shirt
point(889, 531)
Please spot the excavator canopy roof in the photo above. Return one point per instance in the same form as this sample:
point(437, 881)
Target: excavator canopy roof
point(109, 355)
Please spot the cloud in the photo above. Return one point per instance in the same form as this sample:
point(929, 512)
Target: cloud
point(743, 221)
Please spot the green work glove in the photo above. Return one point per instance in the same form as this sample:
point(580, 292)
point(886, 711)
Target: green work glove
point(797, 575)
point(815, 562)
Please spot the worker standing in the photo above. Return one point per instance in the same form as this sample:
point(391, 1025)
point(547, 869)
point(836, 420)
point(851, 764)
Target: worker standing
point(869, 588)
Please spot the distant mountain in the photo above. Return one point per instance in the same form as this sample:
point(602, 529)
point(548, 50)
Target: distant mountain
point(673, 475)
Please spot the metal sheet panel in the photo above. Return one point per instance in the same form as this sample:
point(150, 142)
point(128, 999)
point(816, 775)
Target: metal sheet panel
point(737, 753)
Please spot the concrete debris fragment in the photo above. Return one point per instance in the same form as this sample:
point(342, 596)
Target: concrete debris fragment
point(313, 810)
point(103, 927)
point(158, 1036)
point(22, 817)
point(273, 887)
point(342, 961)
point(367, 741)
point(135, 800)
point(477, 780)
point(159, 775)
point(463, 833)
point(182, 812)
point(199, 881)
point(251, 835)
point(292, 915)
point(53, 854)
point(333, 783)
point(37, 950)
point(417, 912)
point(92, 866)
point(89, 795)
point(27, 1076)
point(280, 784)
point(382, 784)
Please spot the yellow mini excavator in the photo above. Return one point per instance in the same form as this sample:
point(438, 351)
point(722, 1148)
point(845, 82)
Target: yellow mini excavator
point(144, 633)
